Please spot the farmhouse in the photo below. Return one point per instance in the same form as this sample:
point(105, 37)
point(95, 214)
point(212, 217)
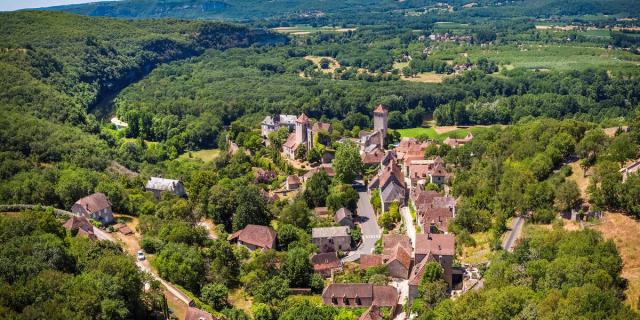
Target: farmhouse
point(357, 295)
point(255, 237)
point(426, 171)
point(329, 239)
point(159, 185)
point(95, 206)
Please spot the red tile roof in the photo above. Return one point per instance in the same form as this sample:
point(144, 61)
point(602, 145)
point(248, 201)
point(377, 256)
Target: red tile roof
point(260, 236)
point(439, 217)
point(384, 296)
point(373, 313)
point(418, 270)
point(293, 179)
point(401, 255)
point(302, 119)
point(291, 141)
point(325, 261)
point(94, 202)
point(437, 244)
point(370, 260)
point(374, 157)
point(390, 241)
point(197, 314)
point(391, 171)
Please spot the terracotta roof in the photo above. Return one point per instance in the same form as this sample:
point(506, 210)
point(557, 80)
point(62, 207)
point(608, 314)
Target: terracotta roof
point(390, 241)
point(380, 109)
point(325, 261)
point(326, 167)
point(197, 314)
point(385, 296)
point(424, 197)
point(82, 225)
point(293, 179)
point(94, 202)
point(373, 313)
point(303, 119)
point(390, 173)
point(401, 255)
point(321, 211)
point(343, 213)
point(370, 260)
point(125, 230)
point(260, 236)
point(374, 157)
point(418, 270)
point(437, 244)
point(439, 217)
point(291, 141)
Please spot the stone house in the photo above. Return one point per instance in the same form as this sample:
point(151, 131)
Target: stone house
point(255, 237)
point(330, 239)
point(95, 206)
point(357, 295)
point(344, 217)
point(159, 185)
point(440, 248)
point(325, 263)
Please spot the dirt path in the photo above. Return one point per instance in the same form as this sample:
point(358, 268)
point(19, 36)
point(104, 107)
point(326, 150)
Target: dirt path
point(625, 233)
point(578, 175)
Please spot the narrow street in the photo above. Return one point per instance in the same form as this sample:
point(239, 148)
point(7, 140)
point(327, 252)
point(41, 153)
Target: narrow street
point(409, 224)
point(368, 225)
point(513, 234)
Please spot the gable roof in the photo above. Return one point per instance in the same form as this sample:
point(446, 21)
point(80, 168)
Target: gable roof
point(372, 157)
point(392, 192)
point(94, 203)
point(303, 119)
point(326, 167)
point(82, 225)
point(257, 235)
point(293, 179)
point(391, 173)
point(291, 141)
point(401, 255)
point(373, 313)
point(384, 296)
point(330, 232)
point(390, 241)
point(325, 261)
point(156, 183)
point(370, 260)
point(439, 217)
point(418, 270)
point(434, 243)
point(343, 213)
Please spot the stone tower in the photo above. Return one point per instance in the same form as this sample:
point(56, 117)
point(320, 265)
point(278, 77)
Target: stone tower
point(380, 115)
point(302, 124)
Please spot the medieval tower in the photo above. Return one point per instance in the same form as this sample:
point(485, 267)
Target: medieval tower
point(380, 115)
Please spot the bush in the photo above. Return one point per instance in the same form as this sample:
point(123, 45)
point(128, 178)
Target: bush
point(317, 283)
point(215, 295)
point(151, 245)
point(543, 216)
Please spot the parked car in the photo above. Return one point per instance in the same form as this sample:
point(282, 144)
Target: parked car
point(140, 255)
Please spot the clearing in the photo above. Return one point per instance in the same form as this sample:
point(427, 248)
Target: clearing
point(479, 253)
point(580, 177)
point(333, 63)
point(300, 30)
point(624, 231)
point(425, 77)
point(206, 155)
point(241, 300)
point(435, 133)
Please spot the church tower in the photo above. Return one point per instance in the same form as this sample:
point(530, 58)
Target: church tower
point(380, 115)
point(302, 124)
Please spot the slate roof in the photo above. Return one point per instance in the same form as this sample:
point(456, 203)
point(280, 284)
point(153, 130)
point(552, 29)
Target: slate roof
point(437, 244)
point(156, 183)
point(94, 202)
point(330, 232)
point(257, 235)
point(370, 260)
point(392, 192)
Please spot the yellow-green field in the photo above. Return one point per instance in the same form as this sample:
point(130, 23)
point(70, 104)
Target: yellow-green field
point(205, 155)
point(433, 134)
point(306, 29)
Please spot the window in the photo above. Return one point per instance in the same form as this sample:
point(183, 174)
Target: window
point(334, 300)
point(345, 300)
point(358, 302)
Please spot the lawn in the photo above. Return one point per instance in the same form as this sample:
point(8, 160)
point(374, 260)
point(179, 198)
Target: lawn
point(206, 155)
point(432, 133)
point(479, 253)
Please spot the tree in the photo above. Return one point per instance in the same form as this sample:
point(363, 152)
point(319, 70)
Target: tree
point(74, 184)
point(342, 195)
point(347, 163)
point(215, 295)
point(317, 189)
point(263, 311)
point(225, 263)
point(222, 204)
point(297, 268)
point(297, 214)
point(288, 234)
point(251, 208)
point(181, 264)
point(301, 152)
point(567, 195)
point(272, 291)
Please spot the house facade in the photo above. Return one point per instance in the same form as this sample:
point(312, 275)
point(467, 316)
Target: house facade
point(159, 185)
point(255, 237)
point(275, 122)
point(331, 239)
point(95, 206)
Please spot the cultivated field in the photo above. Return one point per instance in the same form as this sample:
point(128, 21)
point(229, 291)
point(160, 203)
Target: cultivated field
point(625, 232)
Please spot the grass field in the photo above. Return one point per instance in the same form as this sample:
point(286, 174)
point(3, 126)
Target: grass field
point(480, 253)
point(549, 57)
point(433, 134)
point(316, 60)
point(307, 29)
point(205, 155)
point(624, 232)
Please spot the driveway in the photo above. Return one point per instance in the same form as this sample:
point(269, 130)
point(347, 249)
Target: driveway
point(409, 224)
point(368, 225)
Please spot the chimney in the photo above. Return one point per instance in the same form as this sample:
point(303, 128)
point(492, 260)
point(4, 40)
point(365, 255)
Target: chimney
point(429, 235)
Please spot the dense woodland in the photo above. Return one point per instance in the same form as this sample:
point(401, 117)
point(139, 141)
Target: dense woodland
point(185, 85)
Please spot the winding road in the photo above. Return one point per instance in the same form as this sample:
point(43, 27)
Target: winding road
point(514, 233)
point(368, 224)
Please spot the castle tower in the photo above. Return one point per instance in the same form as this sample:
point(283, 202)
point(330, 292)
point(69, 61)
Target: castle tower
point(302, 124)
point(380, 116)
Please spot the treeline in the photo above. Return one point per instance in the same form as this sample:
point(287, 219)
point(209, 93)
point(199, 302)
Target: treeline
point(590, 95)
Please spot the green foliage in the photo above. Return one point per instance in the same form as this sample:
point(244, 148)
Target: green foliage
point(342, 196)
point(317, 189)
point(181, 264)
point(297, 268)
point(297, 214)
point(215, 295)
point(272, 291)
point(567, 195)
point(347, 163)
point(251, 208)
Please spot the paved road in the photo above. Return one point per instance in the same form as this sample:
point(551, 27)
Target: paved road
point(516, 229)
point(409, 224)
point(368, 225)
